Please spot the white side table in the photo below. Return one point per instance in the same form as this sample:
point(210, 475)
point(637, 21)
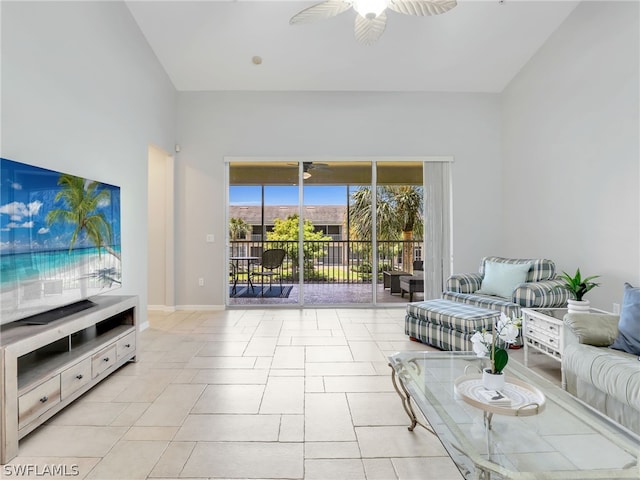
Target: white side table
point(542, 330)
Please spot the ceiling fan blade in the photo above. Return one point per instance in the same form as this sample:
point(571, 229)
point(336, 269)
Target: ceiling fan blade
point(327, 9)
point(422, 7)
point(311, 166)
point(318, 165)
point(368, 30)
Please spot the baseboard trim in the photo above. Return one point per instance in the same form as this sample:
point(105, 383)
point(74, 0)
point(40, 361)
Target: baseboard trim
point(162, 308)
point(206, 308)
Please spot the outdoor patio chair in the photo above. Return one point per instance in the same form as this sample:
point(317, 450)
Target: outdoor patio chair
point(271, 261)
point(413, 283)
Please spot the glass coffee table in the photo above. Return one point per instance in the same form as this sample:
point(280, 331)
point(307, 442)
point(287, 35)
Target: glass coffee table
point(564, 440)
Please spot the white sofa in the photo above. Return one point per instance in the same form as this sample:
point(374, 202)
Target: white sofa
point(605, 378)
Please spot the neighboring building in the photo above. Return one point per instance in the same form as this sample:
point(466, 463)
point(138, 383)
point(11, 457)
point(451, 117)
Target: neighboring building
point(328, 219)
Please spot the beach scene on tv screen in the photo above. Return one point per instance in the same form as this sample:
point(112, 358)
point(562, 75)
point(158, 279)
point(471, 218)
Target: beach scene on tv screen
point(59, 239)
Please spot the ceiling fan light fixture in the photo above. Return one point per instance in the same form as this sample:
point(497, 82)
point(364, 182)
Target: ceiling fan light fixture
point(370, 8)
point(371, 18)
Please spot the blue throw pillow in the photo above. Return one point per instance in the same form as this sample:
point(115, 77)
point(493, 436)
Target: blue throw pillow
point(501, 279)
point(629, 325)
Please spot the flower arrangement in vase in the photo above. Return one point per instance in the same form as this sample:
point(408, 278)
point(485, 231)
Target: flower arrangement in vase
point(492, 344)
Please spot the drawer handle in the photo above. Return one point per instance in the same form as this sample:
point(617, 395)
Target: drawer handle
point(551, 340)
point(127, 345)
point(44, 399)
point(79, 376)
point(105, 359)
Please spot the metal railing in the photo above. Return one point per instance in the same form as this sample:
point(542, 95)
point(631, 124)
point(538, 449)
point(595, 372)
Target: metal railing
point(331, 261)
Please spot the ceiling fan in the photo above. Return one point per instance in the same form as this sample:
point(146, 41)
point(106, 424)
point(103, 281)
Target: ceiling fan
point(371, 18)
point(309, 167)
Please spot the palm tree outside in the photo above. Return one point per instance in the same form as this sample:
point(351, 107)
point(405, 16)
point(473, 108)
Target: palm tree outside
point(399, 215)
point(238, 229)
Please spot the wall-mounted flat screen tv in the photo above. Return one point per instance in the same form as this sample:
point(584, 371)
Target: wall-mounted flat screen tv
point(59, 240)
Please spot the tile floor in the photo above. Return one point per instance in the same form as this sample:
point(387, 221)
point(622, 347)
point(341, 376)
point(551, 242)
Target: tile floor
point(265, 394)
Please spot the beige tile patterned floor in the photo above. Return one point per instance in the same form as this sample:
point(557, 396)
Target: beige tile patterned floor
point(264, 394)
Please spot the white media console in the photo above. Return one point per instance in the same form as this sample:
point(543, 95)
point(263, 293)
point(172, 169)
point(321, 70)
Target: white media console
point(43, 368)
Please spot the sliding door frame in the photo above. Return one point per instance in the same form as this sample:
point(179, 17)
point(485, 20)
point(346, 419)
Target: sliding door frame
point(438, 213)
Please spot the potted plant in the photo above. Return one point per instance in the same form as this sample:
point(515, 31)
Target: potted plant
point(578, 286)
point(492, 344)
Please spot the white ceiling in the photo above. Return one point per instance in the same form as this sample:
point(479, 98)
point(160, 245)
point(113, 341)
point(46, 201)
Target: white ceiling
point(479, 46)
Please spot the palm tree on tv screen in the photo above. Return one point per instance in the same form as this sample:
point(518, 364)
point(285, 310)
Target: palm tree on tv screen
point(82, 202)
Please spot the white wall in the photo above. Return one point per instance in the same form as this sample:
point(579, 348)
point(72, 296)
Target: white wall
point(571, 154)
point(83, 93)
point(333, 124)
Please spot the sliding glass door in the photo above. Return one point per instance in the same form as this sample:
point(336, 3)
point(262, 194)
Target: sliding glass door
point(399, 228)
point(337, 266)
point(335, 250)
point(263, 243)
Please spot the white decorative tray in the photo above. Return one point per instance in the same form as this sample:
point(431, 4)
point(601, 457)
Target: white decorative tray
point(525, 399)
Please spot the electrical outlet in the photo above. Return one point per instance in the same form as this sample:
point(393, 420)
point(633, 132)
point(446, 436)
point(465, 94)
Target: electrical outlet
point(616, 308)
point(201, 282)
point(210, 238)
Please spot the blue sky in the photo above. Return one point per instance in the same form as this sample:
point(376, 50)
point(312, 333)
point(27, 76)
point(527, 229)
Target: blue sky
point(26, 195)
point(288, 195)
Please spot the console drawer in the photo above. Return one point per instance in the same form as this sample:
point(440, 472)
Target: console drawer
point(126, 345)
point(37, 401)
point(549, 329)
point(543, 337)
point(103, 360)
point(75, 377)
point(543, 329)
point(551, 341)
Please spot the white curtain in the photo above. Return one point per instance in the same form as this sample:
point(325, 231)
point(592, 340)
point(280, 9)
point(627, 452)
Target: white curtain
point(437, 227)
